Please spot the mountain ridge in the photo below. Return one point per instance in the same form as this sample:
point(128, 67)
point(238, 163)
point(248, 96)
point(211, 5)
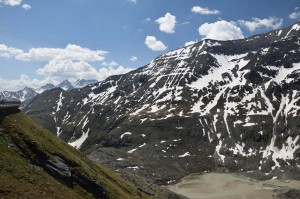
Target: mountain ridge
point(228, 105)
point(28, 93)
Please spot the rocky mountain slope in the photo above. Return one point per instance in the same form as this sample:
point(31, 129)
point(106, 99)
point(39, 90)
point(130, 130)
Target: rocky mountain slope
point(35, 164)
point(28, 93)
point(66, 85)
point(83, 82)
point(214, 105)
point(44, 88)
point(21, 95)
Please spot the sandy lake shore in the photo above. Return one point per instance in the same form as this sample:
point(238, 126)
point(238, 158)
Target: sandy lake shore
point(230, 186)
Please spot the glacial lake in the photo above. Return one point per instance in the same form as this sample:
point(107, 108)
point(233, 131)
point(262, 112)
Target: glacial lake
point(230, 186)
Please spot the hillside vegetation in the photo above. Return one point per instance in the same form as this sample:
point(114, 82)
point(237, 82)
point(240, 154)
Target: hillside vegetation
point(35, 164)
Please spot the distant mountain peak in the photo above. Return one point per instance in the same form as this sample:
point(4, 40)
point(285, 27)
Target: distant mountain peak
point(83, 82)
point(45, 88)
point(66, 85)
point(28, 93)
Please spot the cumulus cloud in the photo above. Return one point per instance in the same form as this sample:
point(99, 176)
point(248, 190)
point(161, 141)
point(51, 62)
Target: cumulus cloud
point(167, 23)
point(24, 81)
point(62, 69)
point(8, 52)
point(220, 30)
point(111, 68)
point(26, 6)
point(58, 70)
point(190, 43)
point(73, 70)
point(204, 11)
point(294, 15)
point(133, 58)
point(72, 62)
point(68, 69)
point(71, 52)
point(11, 2)
point(109, 64)
point(256, 23)
point(15, 3)
point(155, 44)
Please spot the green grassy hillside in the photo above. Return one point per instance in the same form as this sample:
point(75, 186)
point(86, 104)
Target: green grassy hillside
point(35, 164)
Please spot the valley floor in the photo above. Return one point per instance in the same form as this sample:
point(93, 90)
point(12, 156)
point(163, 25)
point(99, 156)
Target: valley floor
point(234, 186)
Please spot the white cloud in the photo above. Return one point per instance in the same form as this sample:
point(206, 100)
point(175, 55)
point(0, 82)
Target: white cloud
point(109, 64)
point(220, 30)
point(59, 70)
point(167, 23)
point(11, 2)
point(26, 6)
point(24, 81)
point(204, 11)
point(71, 52)
point(8, 52)
point(190, 43)
point(154, 44)
point(67, 69)
point(72, 63)
point(73, 70)
point(294, 15)
point(256, 23)
point(132, 1)
point(133, 58)
point(105, 72)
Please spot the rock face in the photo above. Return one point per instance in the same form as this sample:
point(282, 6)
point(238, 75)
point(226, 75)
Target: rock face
point(291, 194)
point(213, 105)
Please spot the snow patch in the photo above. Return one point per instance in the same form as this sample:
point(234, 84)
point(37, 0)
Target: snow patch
point(218, 147)
point(77, 143)
point(185, 155)
point(59, 102)
point(132, 150)
point(127, 133)
point(142, 145)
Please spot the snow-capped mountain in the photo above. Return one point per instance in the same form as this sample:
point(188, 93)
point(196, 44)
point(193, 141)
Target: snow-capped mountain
point(83, 82)
point(21, 95)
point(214, 105)
point(44, 88)
point(27, 94)
point(66, 85)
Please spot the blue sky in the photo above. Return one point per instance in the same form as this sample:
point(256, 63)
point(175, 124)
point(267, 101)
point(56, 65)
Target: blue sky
point(52, 40)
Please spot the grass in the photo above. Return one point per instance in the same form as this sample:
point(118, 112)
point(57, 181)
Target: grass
point(24, 145)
